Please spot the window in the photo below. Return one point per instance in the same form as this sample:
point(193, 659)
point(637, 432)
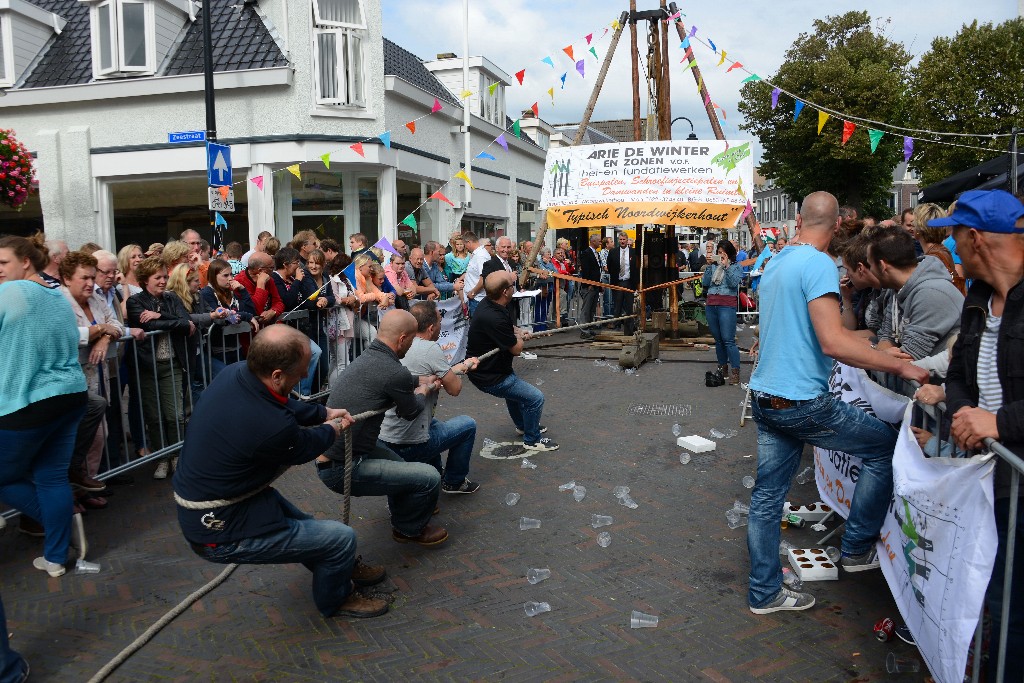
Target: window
point(6, 66)
point(123, 37)
point(492, 106)
point(338, 52)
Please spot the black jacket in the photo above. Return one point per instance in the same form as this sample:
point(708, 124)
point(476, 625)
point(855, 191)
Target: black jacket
point(173, 319)
point(696, 260)
point(634, 267)
point(590, 267)
point(493, 266)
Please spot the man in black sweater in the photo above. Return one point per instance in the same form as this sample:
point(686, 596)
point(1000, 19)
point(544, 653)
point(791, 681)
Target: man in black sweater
point(227, 509)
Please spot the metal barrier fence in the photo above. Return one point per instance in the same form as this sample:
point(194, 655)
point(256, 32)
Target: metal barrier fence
point(936, 420)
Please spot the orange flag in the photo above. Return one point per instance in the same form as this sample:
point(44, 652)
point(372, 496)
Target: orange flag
point(568, 51)
point(224, 191)
point(412, 127)
point(536, 110)
point(440, 195)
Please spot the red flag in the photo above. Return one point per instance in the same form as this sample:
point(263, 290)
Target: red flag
point(536, 110)
point(520, 75)
point(412, 127)
point(439, 195)
point(568, 51)
point(735, 65)
point(437, 106)
point(358, 149)
point(848, 130)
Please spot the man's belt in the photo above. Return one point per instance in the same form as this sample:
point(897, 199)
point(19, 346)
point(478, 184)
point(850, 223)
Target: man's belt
point(778, 402)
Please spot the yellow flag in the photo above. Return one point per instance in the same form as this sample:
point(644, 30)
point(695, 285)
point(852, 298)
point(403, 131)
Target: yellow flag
point(822, 118)
point(314, 296)
point(462, 174)
point(294, 170)
point(465, 94)
point(722, 60)
point(616, 25)
point(551, 92)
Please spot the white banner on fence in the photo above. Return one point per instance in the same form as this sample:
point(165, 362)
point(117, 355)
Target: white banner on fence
point(454, 325)
point(937, 549)
point(836, 472)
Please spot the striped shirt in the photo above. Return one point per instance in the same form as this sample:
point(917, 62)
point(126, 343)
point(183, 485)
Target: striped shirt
point(990, 390)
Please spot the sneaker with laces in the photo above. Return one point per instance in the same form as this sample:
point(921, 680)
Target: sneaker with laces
point(786, 600)
point(862, 562)
point(466, 486)
point(365, 575)
point(542, 445)
point(542, 429)
point(54, 569)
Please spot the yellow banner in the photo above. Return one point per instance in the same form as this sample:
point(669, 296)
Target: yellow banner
point(690, 214)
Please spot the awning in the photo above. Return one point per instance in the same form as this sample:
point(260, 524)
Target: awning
point(989, 175)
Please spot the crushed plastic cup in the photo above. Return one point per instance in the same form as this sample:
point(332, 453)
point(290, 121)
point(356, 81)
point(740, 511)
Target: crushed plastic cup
point(604, 539)
point(748, 482)
point(528, 523)
point(628, 502)
point(567, 486)
point(539, 382)
point(631, 371)
point(785, 547)
point(684, 458)
point(818, 526)
point(727, 434)
point(741, 507)
point(83, 567)
point(620, 491)
point(490, 444)
point(598, 521)
point(538, 575)
point(677, 429)
point(834, 554)
point(641, 620)
point(791, 580)
point(535, 608)
point(579, 493)
point(734, 519)
point(600, 362)
point(528, 465)
point(901, 665)
point(511, 499)
point(805, 476)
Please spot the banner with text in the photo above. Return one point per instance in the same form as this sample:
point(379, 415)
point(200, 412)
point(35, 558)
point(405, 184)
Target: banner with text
point(454, 325)
point(694, 183)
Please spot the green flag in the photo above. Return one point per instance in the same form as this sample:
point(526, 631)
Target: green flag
point(752, 77)
point(876, 136)
point(410, 220)
point(516, 130)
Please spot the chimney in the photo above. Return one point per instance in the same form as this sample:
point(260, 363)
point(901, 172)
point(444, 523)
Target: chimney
point(447, 55)
point(527, 114)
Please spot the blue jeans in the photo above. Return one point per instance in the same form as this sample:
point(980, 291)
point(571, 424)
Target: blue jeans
point(994, 598)
point(34, 477)
point(473, 303)
point(525, 404)
point(781, 435)
point(722, 321)
point(325, 547)
point(12, 665)
point(411, 487)
point(306, 383)
point(456, 436)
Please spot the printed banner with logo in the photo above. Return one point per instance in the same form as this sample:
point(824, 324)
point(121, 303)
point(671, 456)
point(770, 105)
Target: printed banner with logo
point(938, 548)
point(454, 325)
point(836, 472)
point(695, 183)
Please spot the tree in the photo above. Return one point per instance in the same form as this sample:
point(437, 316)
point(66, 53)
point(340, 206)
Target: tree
point(970, 83)
point(844, 66)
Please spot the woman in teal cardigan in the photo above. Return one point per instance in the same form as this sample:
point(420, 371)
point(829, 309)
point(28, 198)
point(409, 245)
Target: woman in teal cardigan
point(43, 399)
point(721, 283)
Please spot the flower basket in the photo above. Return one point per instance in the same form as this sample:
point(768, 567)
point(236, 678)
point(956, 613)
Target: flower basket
point(16, 172)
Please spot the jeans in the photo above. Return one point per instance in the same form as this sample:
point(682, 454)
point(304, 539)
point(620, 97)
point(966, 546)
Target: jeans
point(525, 404)
point(722, 321)
point(456, 436)
point(34, 477)
point(473, 303)
point(781, 434)
point(306, 383)
point(994, 598)
point(325, 547)
point(12, 665)
point(412, 488)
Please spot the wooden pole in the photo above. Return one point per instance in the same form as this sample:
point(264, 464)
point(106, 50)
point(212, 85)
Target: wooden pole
point(542, 230)
point(558, 304)
point(634, 58)
point(665, 88)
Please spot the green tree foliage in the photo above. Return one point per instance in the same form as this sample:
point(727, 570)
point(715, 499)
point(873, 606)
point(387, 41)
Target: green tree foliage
point(844, 66)
point(970, 83)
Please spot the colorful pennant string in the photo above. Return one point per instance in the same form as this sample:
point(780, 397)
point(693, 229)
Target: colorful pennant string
point(440, 196)
point(294, 170)
point(822, 118)
point(462, 174)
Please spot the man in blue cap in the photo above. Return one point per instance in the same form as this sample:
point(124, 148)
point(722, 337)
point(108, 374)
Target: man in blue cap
point(985, 381)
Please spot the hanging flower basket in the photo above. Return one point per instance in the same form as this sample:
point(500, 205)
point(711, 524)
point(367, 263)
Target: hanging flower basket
point(16, 172)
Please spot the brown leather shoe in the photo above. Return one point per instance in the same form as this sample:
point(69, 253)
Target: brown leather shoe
point(429, 536)
point(83, 482)
point(734, 376)
point(364, 575)
point(361, 607)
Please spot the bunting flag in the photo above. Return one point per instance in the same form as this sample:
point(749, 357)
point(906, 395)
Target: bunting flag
point(492, 87)
point(693, 31)
point(501, 141)
point(685, 45)
point(822, 118)
point(485, 155)
point(589, 37)
point(439, 195)
point(751, 78)
point(563, 80)
point(615, 25)
point(462, 174)
point(294, 170)
point(712, 43)
point(315, 295)
point(876, 137)
point(464, 94)
point(358, 149)
point(224, 191)
point(410, 220)
point(536, 109)
point(350, 273)
point(718, 107)
point(735, 65)
point(520, 75)
point(257, 181)
point(550, 62)
point(721, 60)
point(749, 209)
point(692, 64)
point(593, 51)
point(908, 150)
point(775, 97)
point(385, 138)
point(551, 91)
point(797, 108)
point(707, 99)
point(385, 245)
point(517, 129)
point(412, 127)
point(568, 51)
point(579, 67)
point(218, 219)
point(437, 106)
point(673, 17)
point(605, 32)
point(326, 158)
point(848, 130)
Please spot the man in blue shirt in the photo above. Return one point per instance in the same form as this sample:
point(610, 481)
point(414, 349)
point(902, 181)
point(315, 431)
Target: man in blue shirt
point(801, 333)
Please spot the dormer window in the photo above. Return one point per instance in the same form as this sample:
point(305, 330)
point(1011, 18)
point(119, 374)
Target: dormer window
point(338, 36)
point(130, 37)
point(24, 31)
point(492, 106)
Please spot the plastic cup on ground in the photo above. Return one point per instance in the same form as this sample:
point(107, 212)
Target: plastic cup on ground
point(834, 554)
point(604, 539)
point(528, 465)
point(785, 547)
point(620, 491)
point(539, 382)
point(511, 499)
point(677, 429)
point(579, 493)
point(489, 444)
point(568, 486)
point(528, 523)
point(715, 434)
point(538, 575)
point(628, 502)
point(83, 567)
point(748, 482)
point(741, 507)
point(805, 476)
point(735, 519)
point(534, 608)
point(901, 665)
point(791, 580)
point(684, 458)
point(641, 620)
point(598, 521)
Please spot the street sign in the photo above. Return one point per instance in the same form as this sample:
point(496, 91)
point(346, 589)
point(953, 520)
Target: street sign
point(218, 164)
point(222, 205)
point(187, 136)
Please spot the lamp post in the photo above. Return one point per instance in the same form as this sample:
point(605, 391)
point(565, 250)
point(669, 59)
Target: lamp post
point(692, 135)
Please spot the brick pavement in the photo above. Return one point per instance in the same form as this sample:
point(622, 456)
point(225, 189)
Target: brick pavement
point(457, 611)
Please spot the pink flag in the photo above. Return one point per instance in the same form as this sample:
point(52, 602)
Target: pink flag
point(257, 181)
point(747, 210)
point(437, 106)
point(589, 38)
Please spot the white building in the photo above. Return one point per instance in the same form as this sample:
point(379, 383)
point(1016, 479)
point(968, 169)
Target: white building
point(94, 88)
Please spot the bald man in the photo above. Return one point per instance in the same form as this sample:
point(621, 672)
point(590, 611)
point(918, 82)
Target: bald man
point(257, 281)
point(492, 327)
point(375, 380)
point(801, 333)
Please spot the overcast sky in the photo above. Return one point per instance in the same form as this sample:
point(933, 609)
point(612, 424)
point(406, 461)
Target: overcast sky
point(517, 34)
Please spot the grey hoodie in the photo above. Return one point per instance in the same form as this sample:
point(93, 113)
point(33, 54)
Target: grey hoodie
point(924, 312)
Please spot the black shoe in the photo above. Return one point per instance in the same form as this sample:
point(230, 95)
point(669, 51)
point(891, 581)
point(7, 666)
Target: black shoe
point(466, 486)
point(587, 335)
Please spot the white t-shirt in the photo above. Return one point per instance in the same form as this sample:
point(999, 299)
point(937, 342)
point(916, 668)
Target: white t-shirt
point(473, 270)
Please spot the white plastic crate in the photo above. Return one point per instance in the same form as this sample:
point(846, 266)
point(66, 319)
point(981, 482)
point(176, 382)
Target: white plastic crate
point(695, 444)
point(815, 512)
point(812, 564)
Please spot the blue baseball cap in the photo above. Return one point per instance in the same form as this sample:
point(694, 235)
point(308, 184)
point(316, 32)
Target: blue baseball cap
point(985, 210)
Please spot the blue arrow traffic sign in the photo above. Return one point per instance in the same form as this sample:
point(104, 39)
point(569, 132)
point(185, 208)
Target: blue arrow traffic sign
point(218, 165)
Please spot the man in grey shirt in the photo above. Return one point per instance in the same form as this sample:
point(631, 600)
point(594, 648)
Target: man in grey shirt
point(424, 438)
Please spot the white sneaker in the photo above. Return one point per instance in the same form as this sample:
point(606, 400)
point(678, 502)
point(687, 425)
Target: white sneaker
point(52, 568)
point(542, 445)
point(542, 430)
point(161, 470)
